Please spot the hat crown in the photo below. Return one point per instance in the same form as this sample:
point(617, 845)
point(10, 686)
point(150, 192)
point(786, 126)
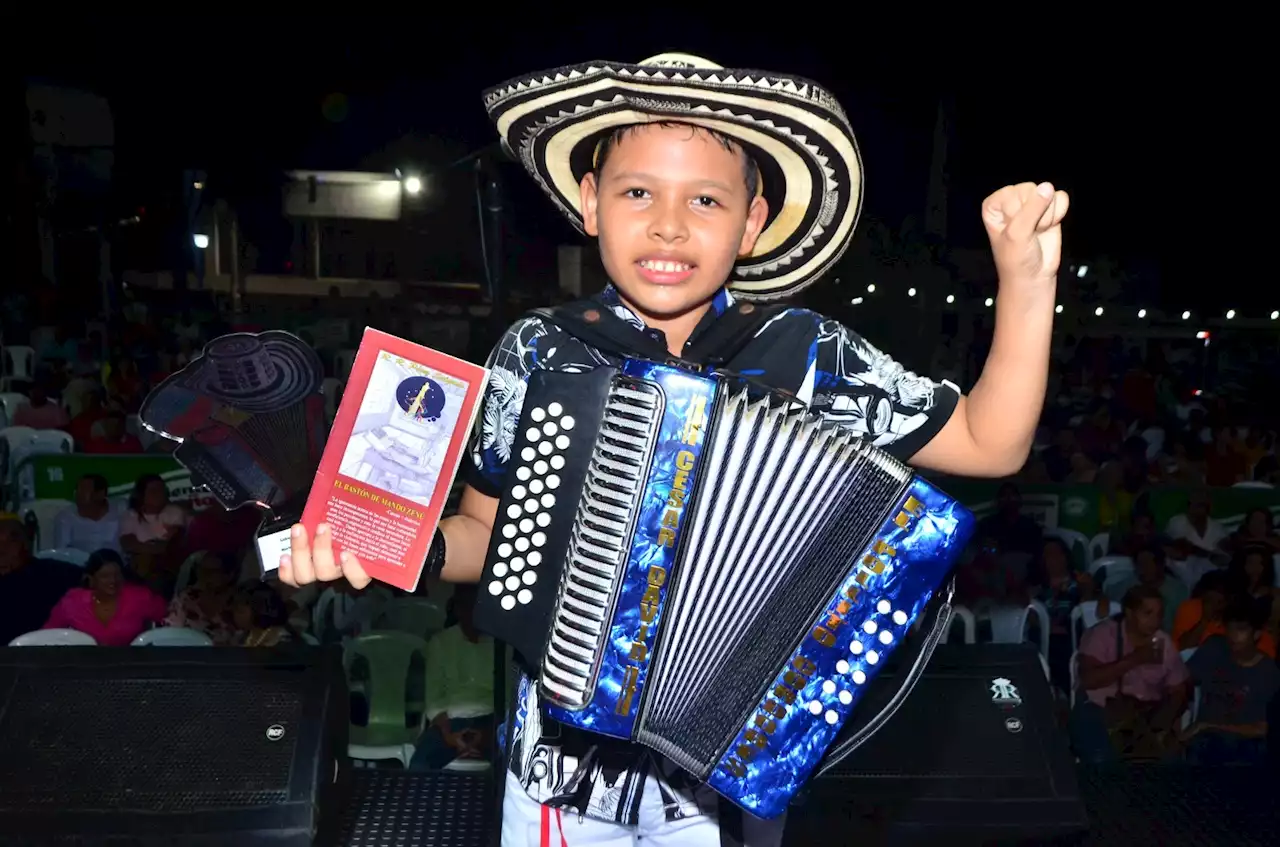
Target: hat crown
point(681, 60)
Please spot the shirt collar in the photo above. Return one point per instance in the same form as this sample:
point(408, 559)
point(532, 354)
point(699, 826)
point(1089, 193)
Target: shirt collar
point(719, 304)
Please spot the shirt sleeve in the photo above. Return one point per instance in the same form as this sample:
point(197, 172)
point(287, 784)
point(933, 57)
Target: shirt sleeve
point(1098, 642)
point(129, 524)
point(1175, 670)
point(1185, 619)
point(60, 615)
point(866, 390)
point(510, 363)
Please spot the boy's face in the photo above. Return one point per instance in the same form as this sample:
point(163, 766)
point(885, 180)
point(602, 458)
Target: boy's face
point(672, 215)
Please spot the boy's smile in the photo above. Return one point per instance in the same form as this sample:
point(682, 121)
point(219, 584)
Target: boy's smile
point(672, 213)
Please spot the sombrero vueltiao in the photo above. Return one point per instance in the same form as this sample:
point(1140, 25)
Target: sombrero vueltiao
point(811, 172)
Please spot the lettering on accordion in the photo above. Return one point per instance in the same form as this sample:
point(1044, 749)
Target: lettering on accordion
point(801, 670)
point(668, 536)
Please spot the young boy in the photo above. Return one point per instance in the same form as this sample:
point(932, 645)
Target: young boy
point(1237, 683)
point(705, 185)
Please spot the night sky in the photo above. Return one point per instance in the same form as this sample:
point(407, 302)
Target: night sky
point(251, 100)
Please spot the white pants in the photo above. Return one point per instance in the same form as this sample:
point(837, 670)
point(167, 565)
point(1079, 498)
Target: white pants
point(527, 823)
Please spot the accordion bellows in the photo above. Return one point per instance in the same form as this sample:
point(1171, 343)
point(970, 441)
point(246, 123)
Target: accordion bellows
point(707, 568)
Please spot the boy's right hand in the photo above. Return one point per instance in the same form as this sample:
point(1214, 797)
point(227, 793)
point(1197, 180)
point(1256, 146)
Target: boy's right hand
point(313, 561)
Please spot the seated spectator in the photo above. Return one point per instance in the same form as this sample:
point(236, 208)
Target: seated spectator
point(109, 438)
point(1237, 684)
point(1257, 530)
point(1196, 537)
point(207, 604)
point(1149, 570)
point(92, 522)
point(111, 609)
point(1224, 465)
point(1254, 570)
point(29, 587)
point(1060, 588)
point(1134, 683)
point(1142, 535)
point(81, 426)
point(152, 532)
point(125, 387)
point(1200, 617)
point(1012, 531)
point(39, 412)
point(261, 617)
point(459, 691)
point(217, 530)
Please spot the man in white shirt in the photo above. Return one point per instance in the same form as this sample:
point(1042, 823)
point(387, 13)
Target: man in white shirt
point(92, 523)
point(1197, 538)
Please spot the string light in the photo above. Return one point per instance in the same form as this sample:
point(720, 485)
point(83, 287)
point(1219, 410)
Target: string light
point(911, 292)
point(1186, 316)
point(951, 298)
point(990, 302)
point(1098, 311)
point(871, 289)
point(1057, 310)
point(1142, 313)
point(1231, 313)
point(1275, 315)
point(856, 301)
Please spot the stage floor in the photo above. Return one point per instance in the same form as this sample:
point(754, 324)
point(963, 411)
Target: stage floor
point(1128, 806)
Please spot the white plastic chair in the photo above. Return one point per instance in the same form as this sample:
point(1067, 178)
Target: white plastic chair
point(1098, 547)
point(17, 364)
point(1251, 483)
point(65, 554)
point(54, 638)
point(44, 513)
point(9, 403)
point(41, 442)
point(1075, 540)
point(414, 615)
point(173, 636)
point(468, 765)
point(1118, 567)
point(970, 623)
point(1009, 624)
point(1083, 616)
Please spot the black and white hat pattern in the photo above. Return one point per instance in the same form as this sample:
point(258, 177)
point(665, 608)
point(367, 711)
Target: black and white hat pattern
point(810, 168)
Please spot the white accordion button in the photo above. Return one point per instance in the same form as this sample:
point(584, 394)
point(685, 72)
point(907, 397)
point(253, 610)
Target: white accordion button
point(855, 648)
point(870, 627)
point(509, 531)
point(532, 434)
point(500, 569)
point(524, 596)
point(543, 519)
point(548, 500)
point(859, 677)
point(549, 428)
point(900, 617)
point(555, 410)
point(530, 506)
point(529, 577)
point(517, 491)
point(528, 454)
point(522, 544)
point(886, 637)
point(523, 473)
point(883, 607)
point(508, 602)
point(545, 448)
point(842, 666)
point(504, 550)
point(495, 587)
point(872, 657)
point(815, 707)
point(535, 559)
point(535, 487)
point(517, 565)
point(567, 422)
point(562, 441)
point(538, 414)
point(828, 687)
point(846, 697)
point(513, 511)
point(539, 467)
point(513, 582)
point(539, 538)
point(553, 482)
point(526, 525)
point(832, 717)
point(557, 462)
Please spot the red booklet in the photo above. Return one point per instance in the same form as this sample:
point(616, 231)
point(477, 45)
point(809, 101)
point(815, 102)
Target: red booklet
point(396, 444)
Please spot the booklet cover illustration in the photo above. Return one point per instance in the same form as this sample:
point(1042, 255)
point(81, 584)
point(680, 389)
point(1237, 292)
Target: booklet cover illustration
point(395, 448)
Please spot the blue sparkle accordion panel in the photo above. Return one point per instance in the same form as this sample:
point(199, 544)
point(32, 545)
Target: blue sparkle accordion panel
point(720, 576)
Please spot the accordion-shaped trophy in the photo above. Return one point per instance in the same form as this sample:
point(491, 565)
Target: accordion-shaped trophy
point(706, 569)
point(249, 418)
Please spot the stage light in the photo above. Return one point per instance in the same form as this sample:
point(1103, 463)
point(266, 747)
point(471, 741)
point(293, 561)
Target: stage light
point(1098, 311)
point(1275, 315)
point(1186, 316)
point(990, 302)
point(1231, 313)
point(871, 289)
point(1203, 335)
point(1142, 313)
point(413, 185)
point(1084, 269)
point(201, 240)
point(1057, 310)
point(911, 292)
point(951, 298)
point(856, 301)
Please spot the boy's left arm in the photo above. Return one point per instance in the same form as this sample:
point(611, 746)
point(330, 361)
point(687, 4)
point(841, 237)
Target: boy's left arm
point(991, 430)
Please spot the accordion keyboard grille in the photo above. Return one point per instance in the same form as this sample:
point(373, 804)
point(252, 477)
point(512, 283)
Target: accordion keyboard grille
point(600, 542)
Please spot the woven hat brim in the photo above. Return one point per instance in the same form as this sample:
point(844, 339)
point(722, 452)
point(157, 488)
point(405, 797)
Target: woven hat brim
point(810, 165)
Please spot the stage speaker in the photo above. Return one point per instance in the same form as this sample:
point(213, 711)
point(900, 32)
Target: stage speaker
point(973, 755)
point(171, 746)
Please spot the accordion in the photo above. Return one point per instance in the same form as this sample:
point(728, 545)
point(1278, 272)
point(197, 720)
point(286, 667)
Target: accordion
point(707, 568)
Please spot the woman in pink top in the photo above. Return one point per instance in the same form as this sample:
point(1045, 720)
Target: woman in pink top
point(152, 532)
point(111, 610)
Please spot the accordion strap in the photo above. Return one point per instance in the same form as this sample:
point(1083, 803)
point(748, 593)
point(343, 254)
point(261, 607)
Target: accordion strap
point(941, 624)
point(597, 325)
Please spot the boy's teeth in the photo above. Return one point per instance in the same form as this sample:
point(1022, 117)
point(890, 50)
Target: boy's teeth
point(664, 267)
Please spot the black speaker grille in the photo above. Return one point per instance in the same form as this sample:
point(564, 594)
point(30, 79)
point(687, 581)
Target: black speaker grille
point(161, 745)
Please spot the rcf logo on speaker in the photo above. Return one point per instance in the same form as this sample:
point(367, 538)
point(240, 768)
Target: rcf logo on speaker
point(275, 732)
